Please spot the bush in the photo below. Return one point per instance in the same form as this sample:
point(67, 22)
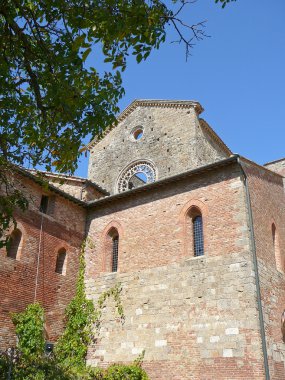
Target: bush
point(128, 372)
point(119, 372)
point(4, 366)
point(50, 369)
point(29, 326)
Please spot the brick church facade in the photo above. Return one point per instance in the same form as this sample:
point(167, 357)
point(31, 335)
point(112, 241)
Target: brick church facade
point(194, 234)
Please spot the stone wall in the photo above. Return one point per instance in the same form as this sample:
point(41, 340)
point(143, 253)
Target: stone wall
point(196, 319)
point(63, 228)
point(172, 140)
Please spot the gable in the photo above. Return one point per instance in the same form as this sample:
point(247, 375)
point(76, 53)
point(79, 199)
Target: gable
point(166, 136)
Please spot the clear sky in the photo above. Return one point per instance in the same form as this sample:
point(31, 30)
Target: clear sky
point(238, 75)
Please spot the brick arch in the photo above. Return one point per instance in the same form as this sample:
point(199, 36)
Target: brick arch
point(191, 208)
point(108, 231)
point(22, 243)
point(279, 259)
point(61, 246)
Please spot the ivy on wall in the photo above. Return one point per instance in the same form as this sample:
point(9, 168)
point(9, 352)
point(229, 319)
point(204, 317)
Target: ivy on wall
point(81, 317)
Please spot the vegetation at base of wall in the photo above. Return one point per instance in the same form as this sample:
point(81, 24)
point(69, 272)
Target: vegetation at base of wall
point(30, 362)
point(121, 372)
point(29, 330)
point(50, 369)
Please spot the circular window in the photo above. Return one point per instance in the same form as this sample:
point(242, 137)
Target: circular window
point(137, 133)
point(136, 175)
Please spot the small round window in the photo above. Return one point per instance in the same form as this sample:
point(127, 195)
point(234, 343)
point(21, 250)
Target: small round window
point(137, 133)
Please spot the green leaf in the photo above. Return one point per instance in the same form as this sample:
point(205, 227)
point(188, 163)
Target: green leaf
point(77, 43)
point(139, 57)
point(85, 54)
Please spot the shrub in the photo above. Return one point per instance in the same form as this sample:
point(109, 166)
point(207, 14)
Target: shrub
point(125, 372)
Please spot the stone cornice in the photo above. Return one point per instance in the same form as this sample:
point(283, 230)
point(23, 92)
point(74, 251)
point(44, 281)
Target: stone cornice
point(186, 104)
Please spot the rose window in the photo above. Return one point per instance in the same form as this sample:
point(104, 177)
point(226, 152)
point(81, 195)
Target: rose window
point(136, 175)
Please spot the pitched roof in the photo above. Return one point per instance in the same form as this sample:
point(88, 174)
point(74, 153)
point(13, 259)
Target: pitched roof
point(146, 103)
point(274, 162)
point(36, 179)
point(71, 178)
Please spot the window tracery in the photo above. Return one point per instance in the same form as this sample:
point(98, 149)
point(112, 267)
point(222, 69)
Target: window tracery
point(136, 175)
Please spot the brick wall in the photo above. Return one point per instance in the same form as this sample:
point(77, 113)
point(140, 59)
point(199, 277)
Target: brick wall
point(63, 228)
point(268, 206)
point(152, 225)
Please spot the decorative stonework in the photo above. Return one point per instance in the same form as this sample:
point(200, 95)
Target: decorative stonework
point(145, 168)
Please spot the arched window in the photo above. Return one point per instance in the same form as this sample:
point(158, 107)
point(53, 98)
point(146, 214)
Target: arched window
point(276, 248)
point(198, 238)
point(13, 247)
point(115, 253)
point(194, 232)
point(112, 250)
point(61, 262)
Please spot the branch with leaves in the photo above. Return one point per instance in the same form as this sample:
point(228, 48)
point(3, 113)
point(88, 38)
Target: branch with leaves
point(52, 95)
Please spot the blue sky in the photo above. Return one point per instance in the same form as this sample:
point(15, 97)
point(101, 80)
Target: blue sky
point(238, 75)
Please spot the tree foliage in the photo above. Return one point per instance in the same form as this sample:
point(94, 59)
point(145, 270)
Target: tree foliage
point(224, 2)
point(50, 98)
point(51, 95)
